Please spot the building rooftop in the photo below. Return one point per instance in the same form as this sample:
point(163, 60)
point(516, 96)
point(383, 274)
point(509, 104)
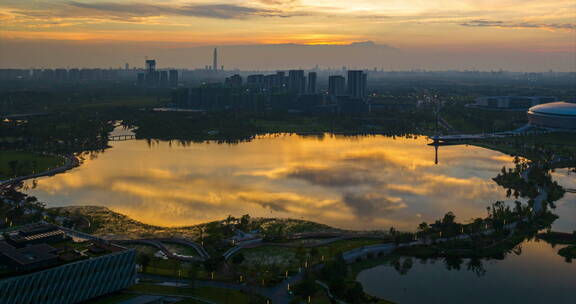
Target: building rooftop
point(40, 246)
point(555, 108)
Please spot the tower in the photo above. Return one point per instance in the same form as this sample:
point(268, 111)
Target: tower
point(215, 60)
point(357, 84)
point(296, 81)
point(311, 83)
point(336, 85)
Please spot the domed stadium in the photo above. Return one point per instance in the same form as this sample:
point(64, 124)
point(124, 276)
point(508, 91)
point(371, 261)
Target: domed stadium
point(558, 115)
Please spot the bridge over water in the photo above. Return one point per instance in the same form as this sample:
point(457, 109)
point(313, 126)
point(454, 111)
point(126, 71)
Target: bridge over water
point(121, 137)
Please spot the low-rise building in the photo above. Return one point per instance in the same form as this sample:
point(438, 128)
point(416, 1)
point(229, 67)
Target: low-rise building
point(44, 263)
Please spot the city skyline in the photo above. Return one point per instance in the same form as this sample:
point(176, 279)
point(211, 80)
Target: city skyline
point(514, 35)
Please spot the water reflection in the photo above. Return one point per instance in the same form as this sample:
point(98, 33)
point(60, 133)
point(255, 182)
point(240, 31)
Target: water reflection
point(537, 275)
point(369, 182)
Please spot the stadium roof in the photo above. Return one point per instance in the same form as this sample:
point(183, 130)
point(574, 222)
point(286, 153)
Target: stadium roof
point(555, 108)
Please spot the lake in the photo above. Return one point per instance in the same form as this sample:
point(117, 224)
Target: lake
point(351, 182)
point(367, 182)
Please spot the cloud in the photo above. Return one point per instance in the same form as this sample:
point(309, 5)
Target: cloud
point(371, 204)
point(219, 11)
point(520, 25)
point(135, 11)
point(333, 177)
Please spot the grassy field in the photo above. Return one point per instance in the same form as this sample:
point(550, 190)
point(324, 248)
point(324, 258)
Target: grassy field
point(13, 163)
point(180, 249)
point(107, 222)
point(292, 257)
point(143, 249)
point(218, 295)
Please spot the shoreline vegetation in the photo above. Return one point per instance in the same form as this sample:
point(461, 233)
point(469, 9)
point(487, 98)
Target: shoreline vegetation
point(308, 251)
point(14, 164)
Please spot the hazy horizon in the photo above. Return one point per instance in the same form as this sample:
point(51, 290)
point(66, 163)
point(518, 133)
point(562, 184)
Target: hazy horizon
point(358, 55)
point(278, 34)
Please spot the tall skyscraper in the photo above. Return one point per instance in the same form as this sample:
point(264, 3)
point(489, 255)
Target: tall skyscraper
point(173, 78)
point(234, 81)
point(215, 60)
point(150, 66)
point(312, 83)
point(357, 84)
point(152, 76)
point(163, 78)
point(336, 85)
point(296, 81)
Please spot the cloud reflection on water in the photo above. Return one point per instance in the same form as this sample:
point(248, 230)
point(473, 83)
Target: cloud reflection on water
point(360, 183)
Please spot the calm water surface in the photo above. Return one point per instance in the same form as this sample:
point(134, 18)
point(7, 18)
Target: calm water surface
point(369, 182)
point(537, 275)
point(348, 182)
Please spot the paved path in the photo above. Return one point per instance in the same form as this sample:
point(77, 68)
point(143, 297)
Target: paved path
point(159, 243)
point(277, 294)
point(331, 237)
point(70, 162)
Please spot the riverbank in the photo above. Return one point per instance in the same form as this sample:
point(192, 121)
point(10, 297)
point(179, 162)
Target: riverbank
point(69, 161)
point(19, 163)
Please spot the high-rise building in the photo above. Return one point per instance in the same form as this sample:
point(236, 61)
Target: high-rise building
point(357, 84)
point(141, 79)
point(61, 74)
point(74, 75)
point(234, 81)
point(173, 78)
point(336, 85)
point(215, 60)
point(150, 66)
point(296, 81)
point(152, 77)
point(255, 81)
point(311, 83)
point(164, 78)
point(281, 80)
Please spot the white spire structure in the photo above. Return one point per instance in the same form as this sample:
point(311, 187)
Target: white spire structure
point(215, 60)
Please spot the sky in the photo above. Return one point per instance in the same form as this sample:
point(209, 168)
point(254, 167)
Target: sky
point(433, 34)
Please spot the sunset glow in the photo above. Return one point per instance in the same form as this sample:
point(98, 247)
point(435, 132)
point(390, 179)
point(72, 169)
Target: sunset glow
point(484, 26)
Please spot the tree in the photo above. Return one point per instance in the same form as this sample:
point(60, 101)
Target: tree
point(238, 259)
point(355, 294)
point(143, 260)
point(307, 287)
point(13, 164)
point(245, 222)
point(448, 218)
point(211, 264)
point(423, 226)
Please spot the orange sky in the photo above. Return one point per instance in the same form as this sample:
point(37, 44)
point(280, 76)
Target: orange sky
point(525, 25)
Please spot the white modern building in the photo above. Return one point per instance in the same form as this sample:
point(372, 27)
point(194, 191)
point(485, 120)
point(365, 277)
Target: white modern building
point(558, 115)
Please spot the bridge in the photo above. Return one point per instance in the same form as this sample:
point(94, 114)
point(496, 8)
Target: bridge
point(160, 243)
point(121, 137)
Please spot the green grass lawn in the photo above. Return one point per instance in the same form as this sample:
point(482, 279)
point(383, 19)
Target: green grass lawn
point(290, 257)
point(143, 248)
point(13, 163)
point(180, 249)
point(174, 268)
point(218, 295)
